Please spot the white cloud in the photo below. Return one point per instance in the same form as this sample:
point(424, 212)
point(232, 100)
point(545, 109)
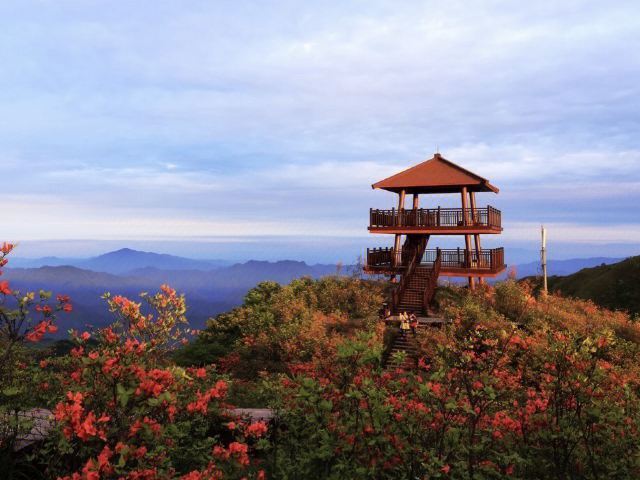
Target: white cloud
point(574, 233)
point(157, 114)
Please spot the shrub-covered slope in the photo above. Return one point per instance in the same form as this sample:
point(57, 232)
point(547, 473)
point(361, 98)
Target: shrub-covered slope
point(514, 387)
point(278, 324)
point(615, 286)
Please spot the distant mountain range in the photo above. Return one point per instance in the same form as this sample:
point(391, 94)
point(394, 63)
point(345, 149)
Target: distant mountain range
point(209, 291)
point(123, 261)
point(211, 286)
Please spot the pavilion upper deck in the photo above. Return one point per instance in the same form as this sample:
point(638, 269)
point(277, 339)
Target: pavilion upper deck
point(436, 221)
point(454, 262)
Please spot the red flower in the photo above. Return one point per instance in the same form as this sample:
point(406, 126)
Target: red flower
point(90, 472)
point(140, 452)
point(103, 458)
point(240, 452)
point(171, 412)
point(37, 332)
point(87, 428)
point(202, 399)
point(257, 429)
point(4, 288)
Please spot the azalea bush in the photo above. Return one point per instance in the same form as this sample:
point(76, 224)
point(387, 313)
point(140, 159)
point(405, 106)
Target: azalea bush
point(25, 318)
point(128, 412)
point(277, 325)
point(514, 386)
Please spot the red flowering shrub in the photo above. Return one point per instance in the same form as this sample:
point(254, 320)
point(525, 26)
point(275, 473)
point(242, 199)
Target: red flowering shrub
point(25, 318)
point(514, 386)
point(129, 413)
point(17, 322)
point(277, 325)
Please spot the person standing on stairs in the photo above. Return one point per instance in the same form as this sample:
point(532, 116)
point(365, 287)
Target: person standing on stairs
point(413, 323)
point(404, 324)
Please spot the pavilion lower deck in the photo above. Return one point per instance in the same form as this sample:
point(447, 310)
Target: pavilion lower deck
point(454, 262)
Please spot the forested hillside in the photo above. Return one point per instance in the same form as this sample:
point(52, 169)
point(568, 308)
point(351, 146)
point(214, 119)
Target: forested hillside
point(615, 286)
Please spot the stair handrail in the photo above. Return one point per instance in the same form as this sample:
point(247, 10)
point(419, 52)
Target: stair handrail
point(417, 254)
point(432, 282)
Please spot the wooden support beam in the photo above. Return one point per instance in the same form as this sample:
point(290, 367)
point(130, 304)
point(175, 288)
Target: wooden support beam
point(463, 194)
point(467, 244)
point(472, 204)
point(395, 261)
point(416, 201)
point(401, 197)
point(467, 238)
point(476, 237)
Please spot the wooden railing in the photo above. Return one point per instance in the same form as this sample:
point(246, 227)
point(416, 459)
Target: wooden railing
point(433, 282)
point(380, 257)
point(387, 257)
point(492, 259)
point(459, 258)
point(436, 217)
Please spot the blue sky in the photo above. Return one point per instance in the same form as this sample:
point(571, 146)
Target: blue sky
point(154, 121)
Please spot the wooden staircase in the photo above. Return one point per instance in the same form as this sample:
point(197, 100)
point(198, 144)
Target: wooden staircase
point(417, 286)
point(412, 299)
point(408, 345)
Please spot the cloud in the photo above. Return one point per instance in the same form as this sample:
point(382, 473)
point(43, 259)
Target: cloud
point(591, 234)
point(133, 117)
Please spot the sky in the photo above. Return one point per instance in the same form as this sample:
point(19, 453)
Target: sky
point(181, 126)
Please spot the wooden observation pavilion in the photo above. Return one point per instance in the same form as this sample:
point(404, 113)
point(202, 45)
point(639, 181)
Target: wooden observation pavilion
point(417, 266)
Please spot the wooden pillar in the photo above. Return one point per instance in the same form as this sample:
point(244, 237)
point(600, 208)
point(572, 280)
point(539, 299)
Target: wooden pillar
point(401, 197)
point(472, 204)
point(467, 238)
point(415, 215)
point(476, 236)
point(398, 239)
point(396, 250)
point(463, 193)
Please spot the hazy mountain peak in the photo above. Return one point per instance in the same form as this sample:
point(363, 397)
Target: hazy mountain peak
point(126, 259)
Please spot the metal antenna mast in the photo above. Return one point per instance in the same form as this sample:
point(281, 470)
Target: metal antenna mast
point(543, 259)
